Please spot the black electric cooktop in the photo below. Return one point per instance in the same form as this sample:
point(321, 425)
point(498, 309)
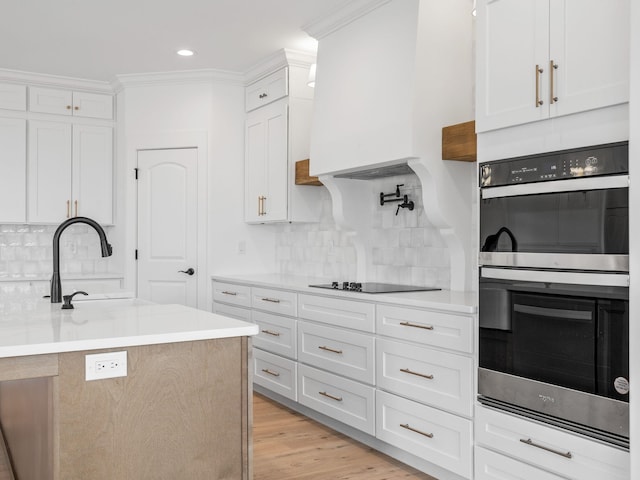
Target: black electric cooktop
point(373, 287)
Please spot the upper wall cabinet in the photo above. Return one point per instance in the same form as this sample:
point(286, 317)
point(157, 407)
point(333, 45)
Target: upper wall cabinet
point(13, 97)
point(267, 90)
point(276, 136)
point(70, 172)
point(538, 59)
point(13, 152)
point(66, 102)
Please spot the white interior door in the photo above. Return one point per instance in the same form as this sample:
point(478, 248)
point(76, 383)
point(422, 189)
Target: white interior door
point(167, 225)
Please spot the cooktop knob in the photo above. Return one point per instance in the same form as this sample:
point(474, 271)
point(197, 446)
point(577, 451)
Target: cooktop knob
point(345, 285)
point(334, 284)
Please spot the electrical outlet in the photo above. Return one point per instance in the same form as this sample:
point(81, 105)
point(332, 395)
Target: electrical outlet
point(105, 365)
point(242, 247)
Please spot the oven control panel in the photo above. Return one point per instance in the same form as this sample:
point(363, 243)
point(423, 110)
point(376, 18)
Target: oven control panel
point(575, 163)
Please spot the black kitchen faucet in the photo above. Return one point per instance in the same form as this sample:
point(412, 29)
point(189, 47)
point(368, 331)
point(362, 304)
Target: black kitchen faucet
point(56, 286)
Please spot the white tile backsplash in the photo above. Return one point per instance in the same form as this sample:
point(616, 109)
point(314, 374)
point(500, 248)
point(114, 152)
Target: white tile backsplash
point(406, 248)
point(26, 251)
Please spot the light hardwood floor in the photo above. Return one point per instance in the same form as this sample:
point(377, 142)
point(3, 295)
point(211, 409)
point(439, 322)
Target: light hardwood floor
point(290, 446)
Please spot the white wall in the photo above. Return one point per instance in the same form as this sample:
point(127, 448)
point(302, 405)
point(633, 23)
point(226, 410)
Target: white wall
point(634, 227)
point(209, 114)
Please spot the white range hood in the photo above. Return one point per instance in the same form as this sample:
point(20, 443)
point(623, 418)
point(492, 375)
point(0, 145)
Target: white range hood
point(390, 74)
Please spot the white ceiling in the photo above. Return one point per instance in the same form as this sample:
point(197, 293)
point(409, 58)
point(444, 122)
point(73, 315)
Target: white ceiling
point(98, 39)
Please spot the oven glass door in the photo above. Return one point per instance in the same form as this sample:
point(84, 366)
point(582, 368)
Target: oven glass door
point(555, 334)
point(585, 230)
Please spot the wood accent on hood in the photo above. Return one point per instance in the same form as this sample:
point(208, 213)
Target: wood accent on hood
point(459, 142)
point(302, 174)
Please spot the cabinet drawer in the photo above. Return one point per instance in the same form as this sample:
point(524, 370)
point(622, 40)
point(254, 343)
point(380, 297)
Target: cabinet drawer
point(345, 400)
point(274, 301)
point(349, 353)
point(520, 438)
point(443, 380)
point(277, 334)
point(493, 466)
point(275, 373)
point(239, 295)
point(438, 329)
point(232, 311)
point(436, 436)
point(13, 97)
point(335, 311)
point(267, 90)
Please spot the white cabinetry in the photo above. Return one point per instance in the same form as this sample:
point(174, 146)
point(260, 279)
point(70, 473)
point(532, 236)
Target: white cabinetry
point(70, 172)
point(349, 402)
point(403, 376)
point(274, 311)
point(425, 380)
point(266, 163)
point(13, 152)
point(556, 451)
point(13, 97)
point(267, 90)
point(444, 380)
point(426, 432)
point(539, 59)
point(277, 130)
point(67, 102)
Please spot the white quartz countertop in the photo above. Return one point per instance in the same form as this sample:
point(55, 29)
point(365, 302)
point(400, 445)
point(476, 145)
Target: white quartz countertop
point(104, 322)
point(461, 302)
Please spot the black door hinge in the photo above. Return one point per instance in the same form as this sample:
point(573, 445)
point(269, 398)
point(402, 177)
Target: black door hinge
point(136, 170)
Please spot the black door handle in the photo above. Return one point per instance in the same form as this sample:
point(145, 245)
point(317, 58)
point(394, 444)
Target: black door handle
point(188, 271)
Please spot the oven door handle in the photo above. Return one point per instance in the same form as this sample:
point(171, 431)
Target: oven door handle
point(568, 185)
point(545, 276)
point(553, 312)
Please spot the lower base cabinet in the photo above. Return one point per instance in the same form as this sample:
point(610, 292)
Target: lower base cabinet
point(426, 432)
point(275, 373)
point(558, 451)
point(345, 400)
point(493, 466)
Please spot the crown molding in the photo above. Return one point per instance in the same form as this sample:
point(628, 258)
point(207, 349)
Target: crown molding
point(341, 17)
point(54, 81)
point(282, 58)
point(180, 77)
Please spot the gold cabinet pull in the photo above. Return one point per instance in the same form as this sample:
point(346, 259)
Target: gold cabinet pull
point(269, 332)
point(407, 427)
point(68, 208)
point(327, 349)
point(76, 208)
point(259, 205)
point(415, 325)
point(68, 107)
point(264, 210)
point(538, 99)
point(528, 441)
point(328, 395)
point(552, 96)
point(272, 300)
point(225, 292)
point(270, 372)
point(76, 108)
point(406, 370)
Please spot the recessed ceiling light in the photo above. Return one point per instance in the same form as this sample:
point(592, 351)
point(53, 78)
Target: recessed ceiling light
point(185, 53)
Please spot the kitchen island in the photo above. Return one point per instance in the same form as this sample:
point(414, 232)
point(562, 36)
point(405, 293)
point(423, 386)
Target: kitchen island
point(183, 410)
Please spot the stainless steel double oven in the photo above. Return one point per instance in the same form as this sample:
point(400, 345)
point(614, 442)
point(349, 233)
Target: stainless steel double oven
point(554, 289)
